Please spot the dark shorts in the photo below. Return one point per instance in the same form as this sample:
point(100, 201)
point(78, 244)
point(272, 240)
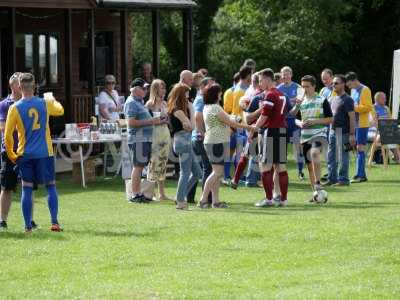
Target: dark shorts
point(8, 177)
point(37, 170)
point(141, 153)
point(273, 146)
point(307, 147)
point(218, 154)
point(362, 136)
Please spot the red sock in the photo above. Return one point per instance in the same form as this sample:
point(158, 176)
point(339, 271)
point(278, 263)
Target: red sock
point(268, 183)
point(284, 184)
point(240, 168)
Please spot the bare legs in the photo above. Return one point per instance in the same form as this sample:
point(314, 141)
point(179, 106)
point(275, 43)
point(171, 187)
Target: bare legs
point(212, 184)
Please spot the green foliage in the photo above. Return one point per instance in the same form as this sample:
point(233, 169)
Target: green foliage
point(276, 33)
point(357, 35)
point(307, 35)
point(171, 50)
point(142, 50)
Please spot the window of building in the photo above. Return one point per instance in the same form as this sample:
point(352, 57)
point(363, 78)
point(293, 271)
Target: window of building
point(38, 53)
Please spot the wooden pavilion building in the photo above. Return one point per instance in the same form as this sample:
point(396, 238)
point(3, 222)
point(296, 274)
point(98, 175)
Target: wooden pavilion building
point(70, 45)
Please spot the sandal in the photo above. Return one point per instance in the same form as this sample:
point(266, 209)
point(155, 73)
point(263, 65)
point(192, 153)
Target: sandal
point(220, 205)
point(203, 205)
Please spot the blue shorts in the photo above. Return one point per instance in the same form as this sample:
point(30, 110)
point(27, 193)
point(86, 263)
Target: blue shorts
point(141, 153)
point(238, 137)
point(362, 136)
point(37, 170)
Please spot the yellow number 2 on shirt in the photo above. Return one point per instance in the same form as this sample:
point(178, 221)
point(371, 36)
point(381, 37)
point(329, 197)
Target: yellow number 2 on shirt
point(34, 113)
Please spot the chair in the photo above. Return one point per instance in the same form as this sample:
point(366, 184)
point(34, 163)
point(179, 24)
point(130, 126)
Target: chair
point(376, 144)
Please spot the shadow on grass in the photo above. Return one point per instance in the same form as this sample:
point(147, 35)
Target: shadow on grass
point(384, 181)
point(127, 234)
point(244, 207)
point(36, 235)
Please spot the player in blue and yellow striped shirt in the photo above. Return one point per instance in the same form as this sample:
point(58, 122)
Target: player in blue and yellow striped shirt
point(34, 155)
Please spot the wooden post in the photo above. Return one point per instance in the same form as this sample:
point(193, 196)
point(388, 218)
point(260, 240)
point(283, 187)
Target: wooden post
point(1, 72)
point(13, 41)
point(187, 18)
point(68, 64)
point(124, 53)
point(92, 47)
point(156, 42)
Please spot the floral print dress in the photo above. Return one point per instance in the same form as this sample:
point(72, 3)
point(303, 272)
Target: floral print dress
point(160, 149)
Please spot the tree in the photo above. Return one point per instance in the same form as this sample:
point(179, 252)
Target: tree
point(309, 35)
point(275, 33)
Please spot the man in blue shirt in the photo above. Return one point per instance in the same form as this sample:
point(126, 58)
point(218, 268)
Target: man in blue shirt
point(34, 154)
point(140, 134)
point(289, 89)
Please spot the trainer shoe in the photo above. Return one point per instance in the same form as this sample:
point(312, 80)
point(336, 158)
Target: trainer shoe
point(220, 205)
point(3, 226)
point(226, 181)
point(56, 228)
point(34, 225)
point(277, 199)
point(28, 231)
point(233, 184)
point(283, 203)
point(264, 203)
point(341, 183)
point(301, 176)
point(328, 183)
point(359, 180)
point(147, 199)
point(182, 206)
point(138, 199)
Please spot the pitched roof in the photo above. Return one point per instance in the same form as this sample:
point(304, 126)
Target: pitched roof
point(145, 3)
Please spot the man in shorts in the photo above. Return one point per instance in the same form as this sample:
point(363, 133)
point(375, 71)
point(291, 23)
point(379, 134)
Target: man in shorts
point(315, 114)
point(34, 155)
point(140, 135)
point(273, 140)
point(362, 97)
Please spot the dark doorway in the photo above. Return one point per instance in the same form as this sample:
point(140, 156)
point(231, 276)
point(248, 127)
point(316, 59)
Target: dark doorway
point(6, 68)
point(104, 56)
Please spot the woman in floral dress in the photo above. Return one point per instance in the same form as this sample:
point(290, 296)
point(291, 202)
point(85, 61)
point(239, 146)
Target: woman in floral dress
point(161, 138)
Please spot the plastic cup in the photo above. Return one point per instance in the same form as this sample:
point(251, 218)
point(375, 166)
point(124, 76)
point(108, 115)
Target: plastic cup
point(48, 96)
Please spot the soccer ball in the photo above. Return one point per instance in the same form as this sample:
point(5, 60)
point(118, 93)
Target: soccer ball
point(320, 196)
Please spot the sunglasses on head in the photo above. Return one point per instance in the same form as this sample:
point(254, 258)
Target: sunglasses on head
point(14, 76)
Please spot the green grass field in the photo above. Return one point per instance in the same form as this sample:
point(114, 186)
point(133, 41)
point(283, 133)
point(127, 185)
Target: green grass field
point(347, 249)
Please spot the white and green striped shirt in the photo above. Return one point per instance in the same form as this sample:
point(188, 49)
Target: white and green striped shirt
point(315, 107)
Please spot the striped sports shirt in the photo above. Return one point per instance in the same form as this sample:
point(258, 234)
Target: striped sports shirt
point(314, 108)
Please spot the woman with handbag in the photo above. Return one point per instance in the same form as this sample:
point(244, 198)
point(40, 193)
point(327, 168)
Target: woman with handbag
point(109, 104)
